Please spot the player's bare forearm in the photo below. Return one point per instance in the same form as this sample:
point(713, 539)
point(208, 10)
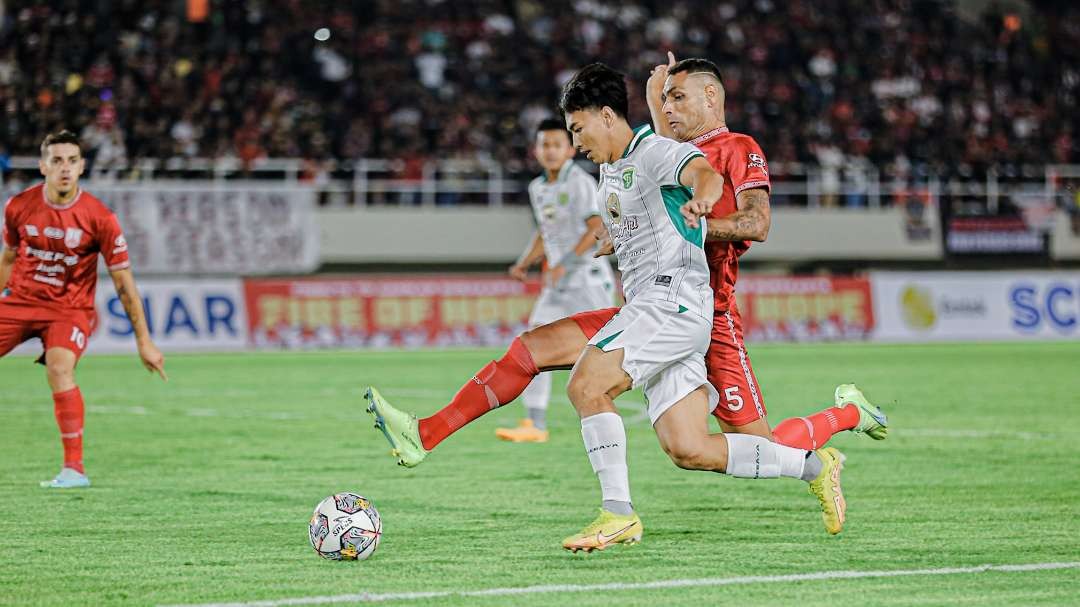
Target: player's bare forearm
point(750, 222)
point(7, 262)
point(593, 227)
point(707, 186)
point(654, 96)
point(533, 253)
point(124, 281)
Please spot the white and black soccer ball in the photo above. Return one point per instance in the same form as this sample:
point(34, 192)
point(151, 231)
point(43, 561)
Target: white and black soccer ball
point(345, 527)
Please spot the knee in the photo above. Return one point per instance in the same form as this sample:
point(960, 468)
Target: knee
point(585, 395)
point(687, 455)
point(59, 372)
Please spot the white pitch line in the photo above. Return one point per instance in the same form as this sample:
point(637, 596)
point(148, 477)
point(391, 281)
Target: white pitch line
point(368, 597)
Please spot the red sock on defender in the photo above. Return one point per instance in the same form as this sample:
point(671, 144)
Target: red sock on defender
point(498, 383)
point(70, 413)
point(813, 431)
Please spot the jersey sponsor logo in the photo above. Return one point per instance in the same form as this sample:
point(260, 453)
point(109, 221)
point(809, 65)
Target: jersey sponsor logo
point(47, 269)
point(756, 160)
point(52, 255)
point(663, 280)
point(628, 178)
point(31, 230)
point(49, 280)
point(548, 211)
point(614, 209)
point(73, 237)
point(54, 233)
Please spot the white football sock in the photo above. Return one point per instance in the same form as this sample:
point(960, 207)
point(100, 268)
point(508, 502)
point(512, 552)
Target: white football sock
point(605, 444)
point(756, 457)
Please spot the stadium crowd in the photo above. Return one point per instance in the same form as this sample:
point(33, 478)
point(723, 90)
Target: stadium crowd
point(905, 85)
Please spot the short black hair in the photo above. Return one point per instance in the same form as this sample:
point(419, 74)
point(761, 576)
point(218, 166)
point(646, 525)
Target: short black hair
point(593, 87)
point(552, 124)
point(62, 136)
point(695, 65)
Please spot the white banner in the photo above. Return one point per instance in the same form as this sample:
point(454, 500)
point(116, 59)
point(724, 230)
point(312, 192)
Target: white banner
point(201, 315)
point(207, 228)
point(976, 305)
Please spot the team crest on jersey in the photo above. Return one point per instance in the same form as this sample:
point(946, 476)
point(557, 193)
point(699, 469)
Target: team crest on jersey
point(628, 178)
point(613, 208)
point(73, 237)
point(564, 198)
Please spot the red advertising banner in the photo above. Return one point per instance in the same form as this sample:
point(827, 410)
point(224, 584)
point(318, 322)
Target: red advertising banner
point(805, 308)
point(373, 311)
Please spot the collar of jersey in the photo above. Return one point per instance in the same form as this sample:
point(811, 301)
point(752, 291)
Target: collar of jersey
point(60, 207)
point(563, 172)
point(707, 136)
point(640, 133)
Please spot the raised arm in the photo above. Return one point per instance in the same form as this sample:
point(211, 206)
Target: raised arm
point(750, 222)
point(654, 96)
point(151, 357)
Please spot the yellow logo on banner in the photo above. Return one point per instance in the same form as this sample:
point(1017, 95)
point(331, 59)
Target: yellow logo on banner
point(917, 307)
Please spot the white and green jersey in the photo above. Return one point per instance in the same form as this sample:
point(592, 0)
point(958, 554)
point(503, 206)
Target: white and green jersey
point(561, 208)
point(659, 257)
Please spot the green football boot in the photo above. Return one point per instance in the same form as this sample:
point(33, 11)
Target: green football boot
point(399, 428)
point(872, 420)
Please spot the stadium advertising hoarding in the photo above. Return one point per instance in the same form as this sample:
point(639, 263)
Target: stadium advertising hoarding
point(216, 229)
point(976, 305)
point(805, 308)
point(1009, 235)
point(373, 311)
point(192, 315)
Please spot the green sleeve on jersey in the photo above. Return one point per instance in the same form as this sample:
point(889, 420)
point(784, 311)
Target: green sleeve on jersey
point(675, 197)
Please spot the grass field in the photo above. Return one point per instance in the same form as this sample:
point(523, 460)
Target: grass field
point(203, 487)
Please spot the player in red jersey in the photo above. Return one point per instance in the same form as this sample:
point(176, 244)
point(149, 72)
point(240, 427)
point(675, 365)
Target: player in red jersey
point(687, 102)
point(53, 234)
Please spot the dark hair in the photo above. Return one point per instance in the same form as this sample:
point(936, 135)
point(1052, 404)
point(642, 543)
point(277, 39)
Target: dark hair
point(552, 124)
point(63, 136)
point(695, 65)
point(594, 87)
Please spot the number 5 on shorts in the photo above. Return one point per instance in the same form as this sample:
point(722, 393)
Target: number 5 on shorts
point(78, 337)
point(734, 401)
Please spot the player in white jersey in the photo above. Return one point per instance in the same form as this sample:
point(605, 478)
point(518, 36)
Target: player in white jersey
point(563, 200)
point(653, 190)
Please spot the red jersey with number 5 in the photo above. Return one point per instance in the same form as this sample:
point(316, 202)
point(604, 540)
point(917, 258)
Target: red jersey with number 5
point(57, 249)
point(739, 159)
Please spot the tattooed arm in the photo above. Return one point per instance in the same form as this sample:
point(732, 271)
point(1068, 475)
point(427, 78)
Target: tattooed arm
point(151, 357)
point(750, 222)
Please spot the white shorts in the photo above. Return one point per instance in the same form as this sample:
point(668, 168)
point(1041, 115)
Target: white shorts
point(663, 351)
point(556, 304)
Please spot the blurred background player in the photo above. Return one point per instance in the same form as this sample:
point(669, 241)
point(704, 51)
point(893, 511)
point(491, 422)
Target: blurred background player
point(563, 200)
point(686, 100)
point(53, 234)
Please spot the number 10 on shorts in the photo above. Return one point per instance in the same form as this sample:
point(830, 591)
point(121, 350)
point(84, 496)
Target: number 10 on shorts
point(78, 337)
point(734, 401)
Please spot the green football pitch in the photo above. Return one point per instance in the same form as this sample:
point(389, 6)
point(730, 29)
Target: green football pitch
point(203, 488)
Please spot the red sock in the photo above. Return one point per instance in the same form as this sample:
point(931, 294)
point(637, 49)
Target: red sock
point(69, 410)
point(813, 431)
point(498, 383)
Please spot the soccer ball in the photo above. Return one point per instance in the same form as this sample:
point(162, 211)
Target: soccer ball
point(345, 527)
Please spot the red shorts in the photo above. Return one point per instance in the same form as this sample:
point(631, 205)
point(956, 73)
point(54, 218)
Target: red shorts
point(69, 329)
point(727, 362)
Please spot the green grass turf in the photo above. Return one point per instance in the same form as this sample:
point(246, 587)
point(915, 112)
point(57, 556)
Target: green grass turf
point(203, 486)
